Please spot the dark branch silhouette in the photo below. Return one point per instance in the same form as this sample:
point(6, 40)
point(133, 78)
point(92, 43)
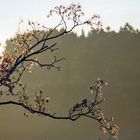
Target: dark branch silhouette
point(35, 41)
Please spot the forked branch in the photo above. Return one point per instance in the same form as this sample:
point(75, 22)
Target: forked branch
point(36, 41)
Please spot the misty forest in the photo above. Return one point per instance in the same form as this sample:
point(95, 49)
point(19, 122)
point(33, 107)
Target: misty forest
point(83, 86)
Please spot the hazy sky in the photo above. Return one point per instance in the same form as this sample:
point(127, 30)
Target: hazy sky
point(113, 12)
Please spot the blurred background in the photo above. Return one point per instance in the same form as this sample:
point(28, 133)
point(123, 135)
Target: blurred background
point(112, 55)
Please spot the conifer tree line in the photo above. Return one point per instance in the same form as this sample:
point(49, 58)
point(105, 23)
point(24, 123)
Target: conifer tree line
point(38, 47)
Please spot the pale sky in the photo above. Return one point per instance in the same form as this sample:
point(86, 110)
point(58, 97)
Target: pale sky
point(114, 13)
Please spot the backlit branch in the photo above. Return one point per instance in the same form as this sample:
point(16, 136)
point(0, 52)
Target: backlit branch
point(23, 42)
point(37, 40)
point(89, 108)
